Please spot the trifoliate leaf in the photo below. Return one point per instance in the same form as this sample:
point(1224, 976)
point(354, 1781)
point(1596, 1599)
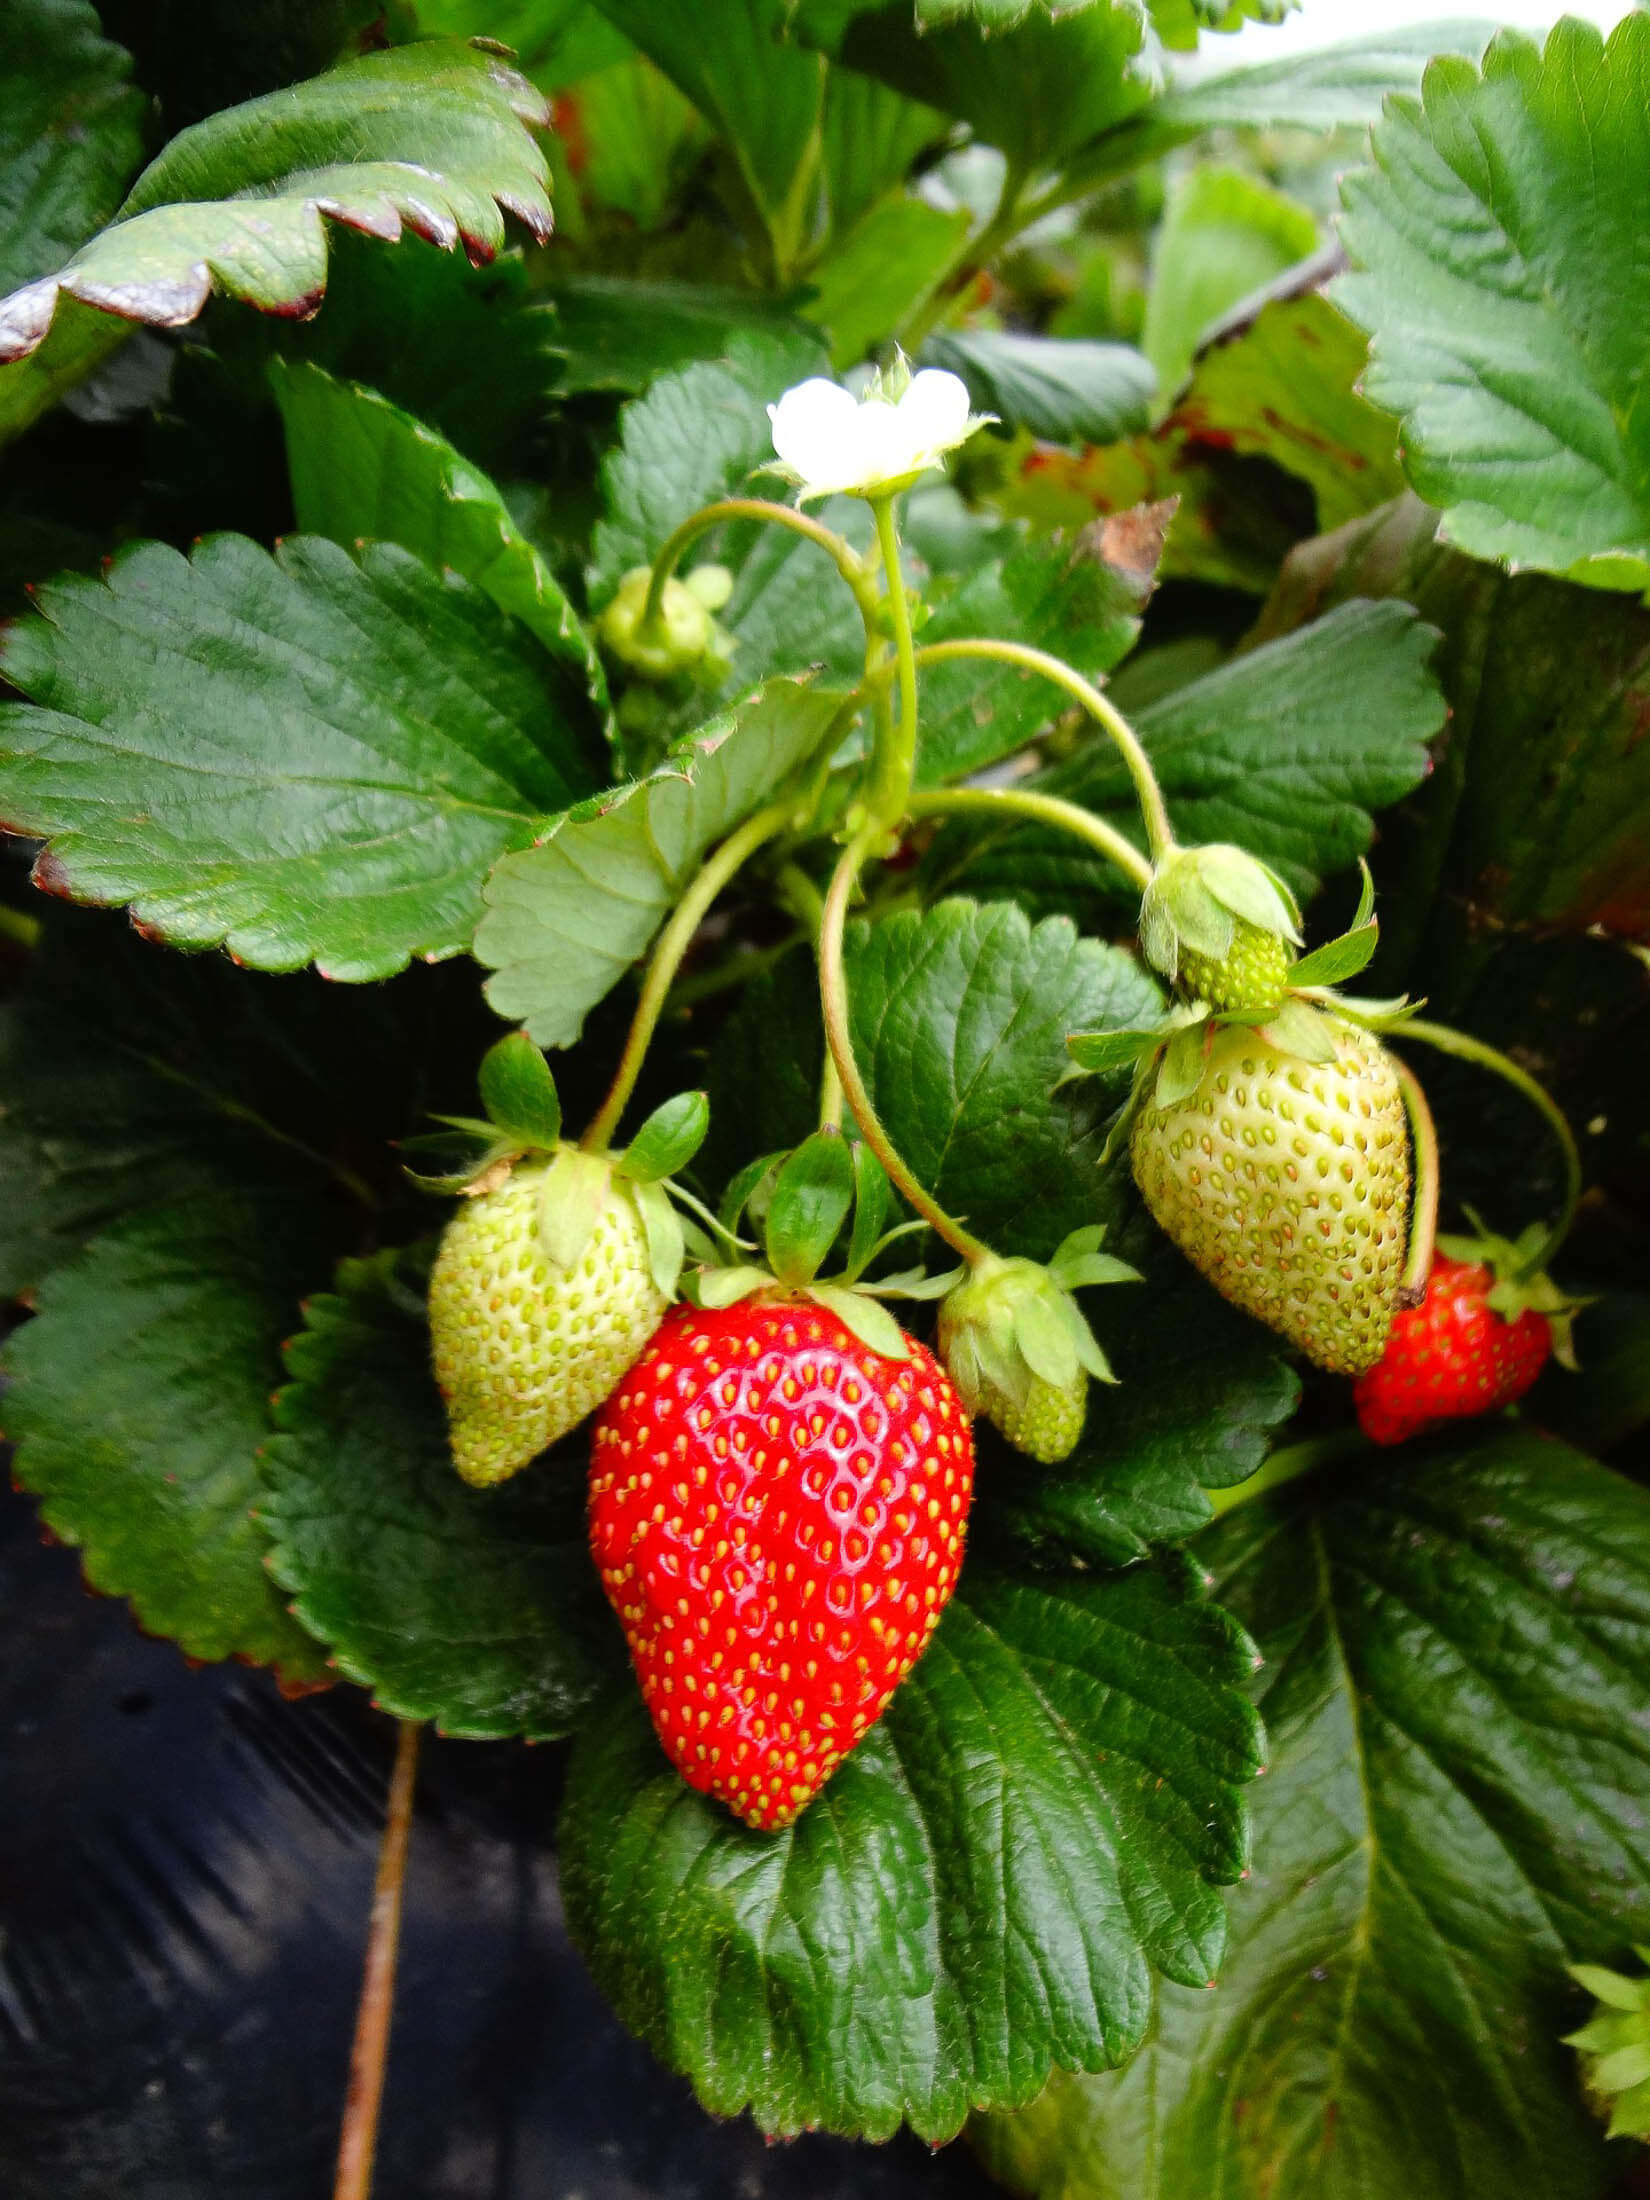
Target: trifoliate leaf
point(70, 134)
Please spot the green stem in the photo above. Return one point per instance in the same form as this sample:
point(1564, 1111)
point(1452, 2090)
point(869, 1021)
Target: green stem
point(833, 993)
point(1465, 1049)
point(894, 760)
point(1041, 809)
point(977, 250)
point(1423, 1206)
point(738, 969)
point(1159, 837)
point(673, 944)
point(1288, 1466)
point(846, 559)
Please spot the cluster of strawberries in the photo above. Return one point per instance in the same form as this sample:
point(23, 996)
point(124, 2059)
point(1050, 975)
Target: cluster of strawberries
point(780, 1488)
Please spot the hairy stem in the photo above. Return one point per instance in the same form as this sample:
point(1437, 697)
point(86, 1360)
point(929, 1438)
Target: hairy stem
point(1041, 809)
point(673, 943)
point(1465, 1049)
point(894, 759)
point(833, 991)
point(1423, 1208)
point(975, 251)
point(846, 559)
point(1159, 836)
point(370, 2053)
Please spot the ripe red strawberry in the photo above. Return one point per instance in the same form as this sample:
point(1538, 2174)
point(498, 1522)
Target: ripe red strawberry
point(778, 1515)
point(1450, 1357)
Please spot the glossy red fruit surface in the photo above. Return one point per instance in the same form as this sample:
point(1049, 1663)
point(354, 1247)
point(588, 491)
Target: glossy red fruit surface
point(1450, 1357)
point(778, 1515)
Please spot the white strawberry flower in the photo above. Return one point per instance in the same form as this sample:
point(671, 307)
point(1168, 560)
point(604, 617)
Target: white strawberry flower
point(831, 443)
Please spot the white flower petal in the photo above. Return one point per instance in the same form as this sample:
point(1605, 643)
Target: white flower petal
point(814, 430)
point(934, 411)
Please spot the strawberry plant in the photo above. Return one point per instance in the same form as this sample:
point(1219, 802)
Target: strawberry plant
point(707, 719)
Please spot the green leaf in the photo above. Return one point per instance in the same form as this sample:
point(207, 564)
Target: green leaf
point(555, 41)
point(1284, 386)
point(1538, 813)
point(764, 97)
point(1504, 291)
point(811, 1198)
point(1113, 1049)
point(1285, 751)
point(871, 283)
point(871, 138)
point(138, 1400)
point(302, 757)
point(981, 1891)
point(1334, 88)
point(697, 435)
point(960, 1016)
point(428, 137)
point(478, 1610)
point(638, 139)
point(1037, 91)
point(669, 1139)
point(1082, 601)
point(566, 918)
point(1224, 235)
point(70, 134)
point(1069, 391)
point(363, 468)
point(614, 333)
point(518, 1091)
point(1458, 1653)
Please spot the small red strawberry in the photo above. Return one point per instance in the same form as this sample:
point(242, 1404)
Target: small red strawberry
point(1451, 1357)
point(777, 1512)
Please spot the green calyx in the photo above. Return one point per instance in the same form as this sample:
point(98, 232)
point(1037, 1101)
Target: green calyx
point(1197, 899)
point(1518, 1289)
point(802, 1202)
point(682, 636)
point(1614, 2047)
point(1019, 1349)
point(1237, 970)
point(522, 1124)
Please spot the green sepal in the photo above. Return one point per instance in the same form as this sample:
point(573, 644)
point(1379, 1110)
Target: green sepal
point(871, 1323)
point(811, 1198)
point(742, 1190)
point(1373, 1015)
point(1101, 1050)
point(1519, 1289)
point(519, 1093)
point(1078, 1261)
point(1045, 1342)
point(1337, 959)
point(915, 1283)
point(575, 1190)
point(872, 1199)
point(1611, 1987)
point(1300, 1029)
point(470, 1160)
point(666, 1238)
point(713, 1288)
point(1181, 1070)
point(1090, 1358)
point(668, 1140)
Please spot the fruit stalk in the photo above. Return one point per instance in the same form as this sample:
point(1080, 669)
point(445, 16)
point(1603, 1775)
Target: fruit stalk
point(1466, 1049)
point(843, 556)
point(1159, 836)
point(833, 994)
point(358, 2143)
point(1040, 809)
point(673, 943)
point(894, 759)
point(1423, 1211)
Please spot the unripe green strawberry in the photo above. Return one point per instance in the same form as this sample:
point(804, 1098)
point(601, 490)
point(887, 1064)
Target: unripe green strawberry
point(1287, 1183)
point(1018, 1348)
point(1247, 980)
point(1048, 1425)
point(524, 1348)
